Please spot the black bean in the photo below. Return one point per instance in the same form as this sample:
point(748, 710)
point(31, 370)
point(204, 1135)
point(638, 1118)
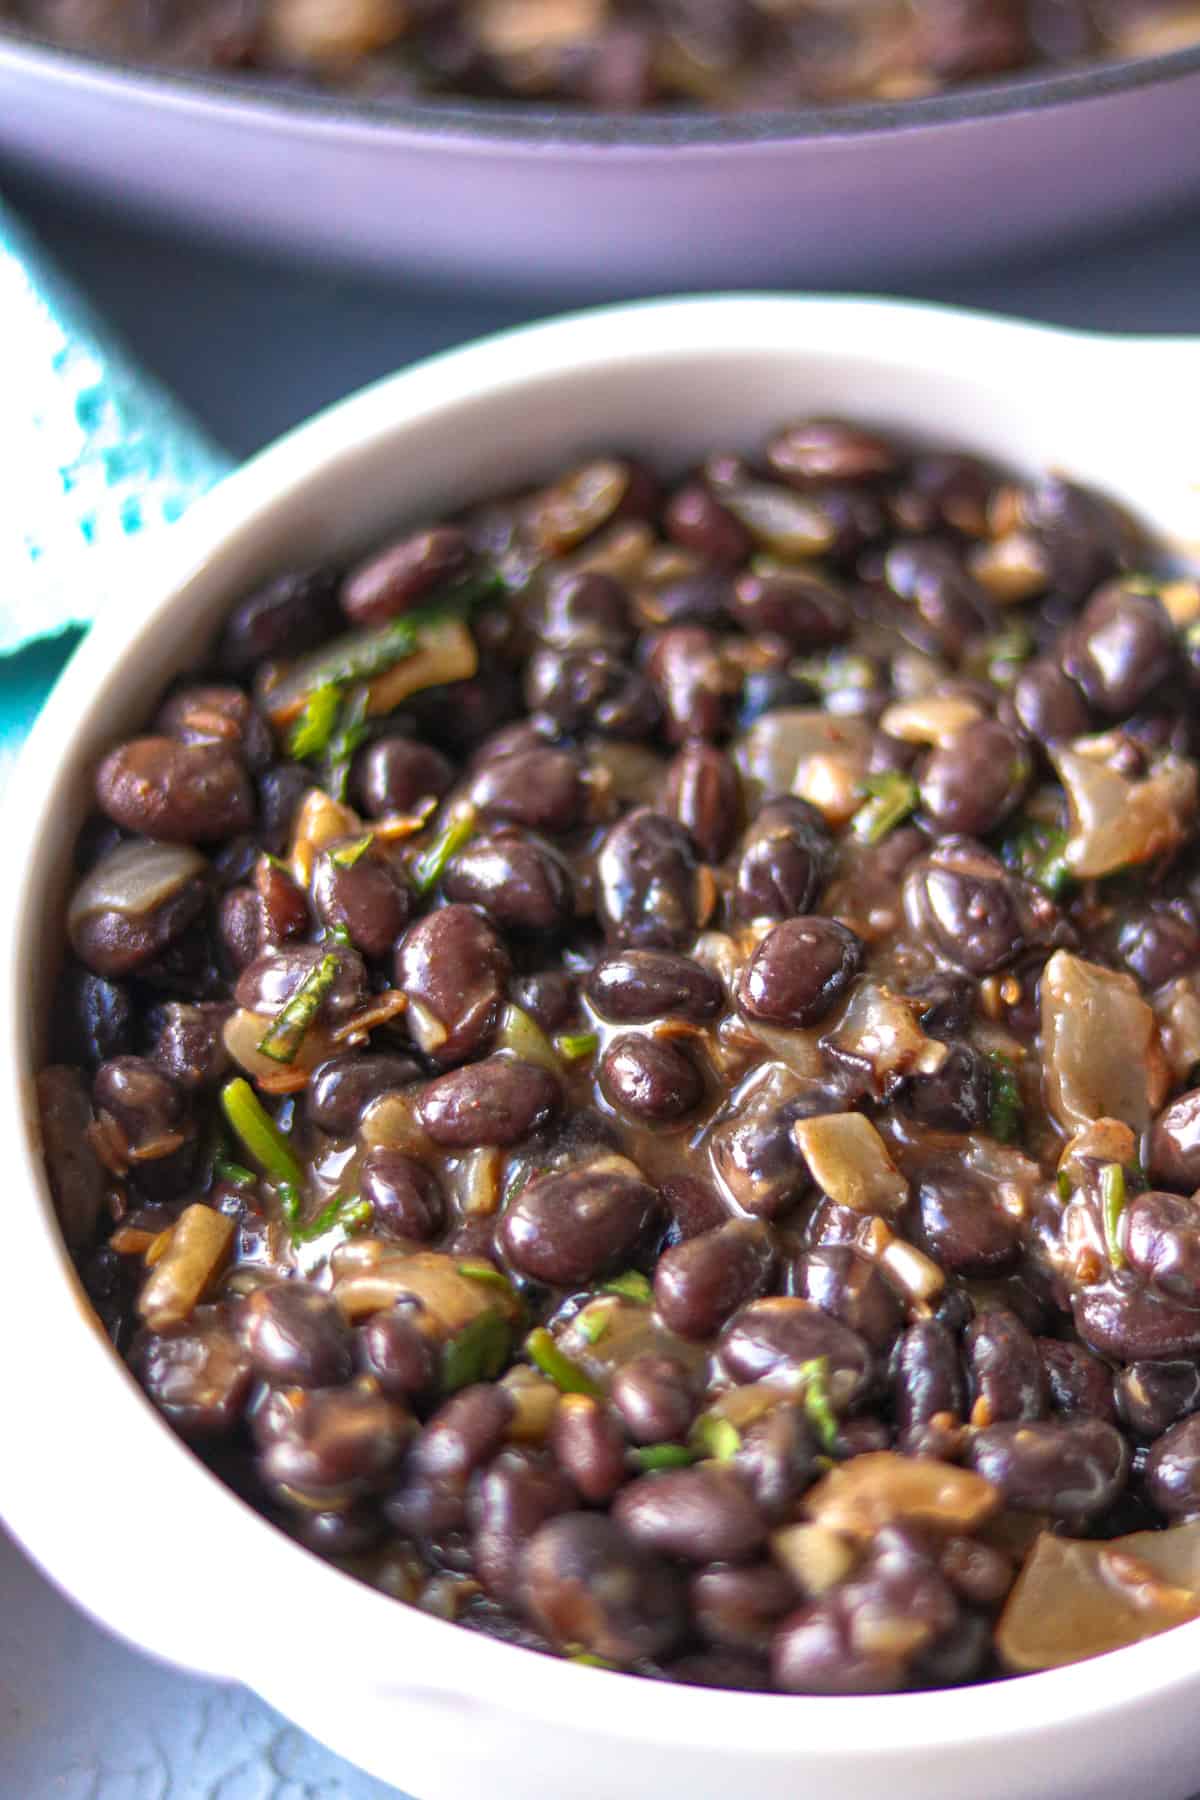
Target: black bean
point(93, 1018)
point(947, 1003)
point(1070, 1468)
point(400, 1358)
point(1171, 1479)
point(340, 1089)
point(539, 787)
point(948, 606)
point(177, 793)
point(1162, 1242)
point(976, 913)
point(685, 668)
point(945, 488)
point(283, 903)
point(143, 1101)
point(756, 1157)
point(655, 1398)
point(830, 450)
point(395, 774)
point(778, 1458)
point(1150, 1396)
point(1131, 1322)
point(849, 1287)
point(497, 1101)
point(1076, 1381)
point(650, 1078)
point(955, 1097)
point(1159, 943)
point(520, 883)
point(217, 715)
point(568, 687)
point(549, 997)
point(241, 930)
point(699, 522)
point(295, 1336)
point(134, 922)
point(333, 1443)
point(405, 1197)
point(698, 1283)
point(808, 612)
point(197, 1374)
point(271, 980)
point(813, 1653)
point(799, 970)
point(585, 611)
point(926, 1376)
point(590, 1447)
point(703, 792)
point(515, 1494)
point(1004, 1370)
point(1085, 537)
point(738, 1607)
point(773, 1339)
point(1120, 647)
point(961, 1222)
point(286, 617)
point(635, 986)
point(647, 888)
point(349, 1531)
point(566, 1229)
point(704, 598)
point(453, 969)
point(1047, 704)
point(280, 791)
point(975, 779)
point(463, 1433)
point(979, 1573)
point(700, 1515)
point(587, 1585)
point(785, 862)
point(398, 578)
point(1174, 1145)
point(768, 690)
point(366, 897)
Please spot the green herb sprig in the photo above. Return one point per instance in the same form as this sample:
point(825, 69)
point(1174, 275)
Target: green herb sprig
point(284, 1036)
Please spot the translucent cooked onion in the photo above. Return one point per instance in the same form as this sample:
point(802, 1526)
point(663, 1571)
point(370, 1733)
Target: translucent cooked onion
point(196, 1249)
point(1177, 1009)
point(793, 751)
point(849, 1161)
point(1116, 821)
point(1075, 1599)
point(382, 1274)
point(135, 879)
point(879, 1030)
point(1101, 1054)
point(882, 1488)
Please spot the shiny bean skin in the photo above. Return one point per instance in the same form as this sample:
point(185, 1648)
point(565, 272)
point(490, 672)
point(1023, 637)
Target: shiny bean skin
point(1120, 647)
point(1158, 943)
point(770, 1340)
point(1070, 1468)
point(286, 617)
point(271, 980)
point(498, 1101)
point(850, 1288)
point(699, 522)
point(685, 668)
point(217, 715)
point(405, 1196)
point(799, 970)
point(549, 997)
point(926, 1375)
point(177, 793)
point(586, 611)
point(703, 792)
point(539, 788)
point(590, 1447)
point(397, 774)
point(515, 1494)
point(1171, 1479)
point(786, 861)
point(1162, 1242)
point(633, 987)
point(330, 1442)
point(521, 884)
point(463, 1433)
point(961, 1224)
point(1048, 705)
point(453, 968)
point(367, 899)
point(956, 1097)
point(114, 941)
point(778, 1458)
point(398, 578)
point(1150, 1396)
point(1133, 1323)
point(144, 1102)
point(758, 1161)
point(738, 1607)
point(829, 449)
point(807, 612)
point(1004, 1370)
point(655, 1399)
point(650, 1078)
point(1076, 1381)
point(698, 1283)
point(979, 917)
point(339, 1090)
point(701, 1515)
point(391, 1350)
point(93, 1017)
point(812, 1653)
point(588, 1585)
point(567, 1229)
point(1174, 1145)
point(295, 1337)
point(973, 781)
point(197, 1374)
point(646, 870)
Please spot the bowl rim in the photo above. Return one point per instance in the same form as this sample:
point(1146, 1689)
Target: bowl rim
point(452, 1664)
point(532, 129)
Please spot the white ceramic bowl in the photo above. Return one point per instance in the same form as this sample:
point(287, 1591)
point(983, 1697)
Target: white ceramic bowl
point(95, 1484)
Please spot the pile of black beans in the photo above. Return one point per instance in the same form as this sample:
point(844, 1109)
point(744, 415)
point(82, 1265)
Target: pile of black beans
point(619, 55)
point(623, 1065)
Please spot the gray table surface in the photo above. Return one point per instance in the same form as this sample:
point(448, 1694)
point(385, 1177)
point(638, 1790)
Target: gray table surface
point(252, 349)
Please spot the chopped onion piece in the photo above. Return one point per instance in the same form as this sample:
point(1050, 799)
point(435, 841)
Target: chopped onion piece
point(1116, 820)
point(384, 1273)
point(881, 1487)
point(135, 879)
point(929, 718)
point(879, 1030)
point(849, 1161)
point(1101, 1057)
point(1177, 1008)
point(815, 1557)
point(806, 751)
point(198, 1245)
